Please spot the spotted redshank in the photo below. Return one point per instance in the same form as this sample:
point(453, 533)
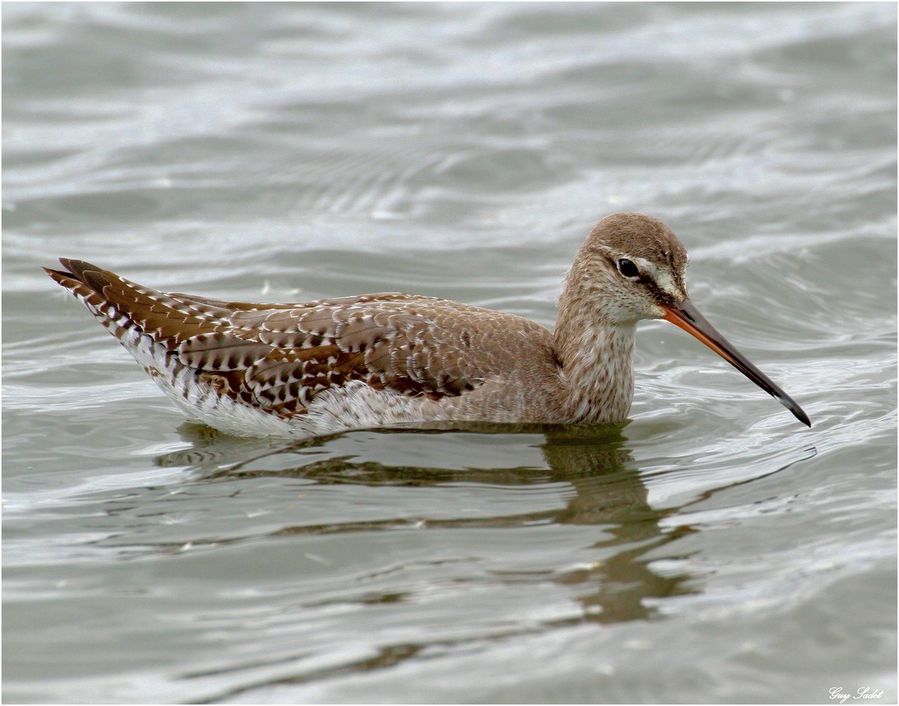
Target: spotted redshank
point(387, 359)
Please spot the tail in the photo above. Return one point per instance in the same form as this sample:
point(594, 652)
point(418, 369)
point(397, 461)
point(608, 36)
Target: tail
point(124, 307)
point(88, 284)
point(182, 341)
point(75, 277)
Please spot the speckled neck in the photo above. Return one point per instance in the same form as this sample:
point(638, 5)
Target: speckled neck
point(597, 360)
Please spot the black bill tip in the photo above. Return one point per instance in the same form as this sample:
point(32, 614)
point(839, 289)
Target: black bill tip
point(686, 317)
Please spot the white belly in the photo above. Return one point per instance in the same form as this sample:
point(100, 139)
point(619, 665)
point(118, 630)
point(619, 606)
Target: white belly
point(353, 406)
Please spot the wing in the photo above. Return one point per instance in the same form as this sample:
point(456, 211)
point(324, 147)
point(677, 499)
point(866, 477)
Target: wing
point(410, 345)
point(280, 356)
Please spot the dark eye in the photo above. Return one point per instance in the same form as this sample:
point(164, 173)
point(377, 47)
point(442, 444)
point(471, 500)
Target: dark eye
point(628, 268)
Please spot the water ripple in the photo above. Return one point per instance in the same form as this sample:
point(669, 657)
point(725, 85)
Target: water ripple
point(296, 153)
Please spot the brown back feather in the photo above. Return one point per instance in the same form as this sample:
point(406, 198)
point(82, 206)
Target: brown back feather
point(280, 356)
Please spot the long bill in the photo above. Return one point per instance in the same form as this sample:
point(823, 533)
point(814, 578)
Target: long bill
point(686, 316)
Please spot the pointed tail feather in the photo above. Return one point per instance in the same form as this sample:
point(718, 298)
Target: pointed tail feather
point(122, 304)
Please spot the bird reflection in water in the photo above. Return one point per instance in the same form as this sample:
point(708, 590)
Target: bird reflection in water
point(619, 585)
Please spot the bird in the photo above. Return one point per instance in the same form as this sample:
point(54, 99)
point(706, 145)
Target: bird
point(309, 369)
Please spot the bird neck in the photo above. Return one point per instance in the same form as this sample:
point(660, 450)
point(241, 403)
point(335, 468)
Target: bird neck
point(597, 363)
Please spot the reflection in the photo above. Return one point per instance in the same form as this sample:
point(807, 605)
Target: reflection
point(595, 463)
point(618, 582)
point(609, 491)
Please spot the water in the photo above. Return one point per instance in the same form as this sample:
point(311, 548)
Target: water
point(713, 549)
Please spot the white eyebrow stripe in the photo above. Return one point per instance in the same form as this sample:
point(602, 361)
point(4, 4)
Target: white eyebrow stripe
point(662, 278)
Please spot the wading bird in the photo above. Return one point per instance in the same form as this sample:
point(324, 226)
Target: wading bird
point(387, 359)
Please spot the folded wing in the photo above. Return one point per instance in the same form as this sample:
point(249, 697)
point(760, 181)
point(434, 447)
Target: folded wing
point(278, 357)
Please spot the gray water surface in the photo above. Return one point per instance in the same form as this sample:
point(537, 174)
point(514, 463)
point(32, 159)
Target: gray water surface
point(712, 549)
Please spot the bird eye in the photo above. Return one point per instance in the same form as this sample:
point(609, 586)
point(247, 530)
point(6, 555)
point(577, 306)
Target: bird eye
point(628, 268)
